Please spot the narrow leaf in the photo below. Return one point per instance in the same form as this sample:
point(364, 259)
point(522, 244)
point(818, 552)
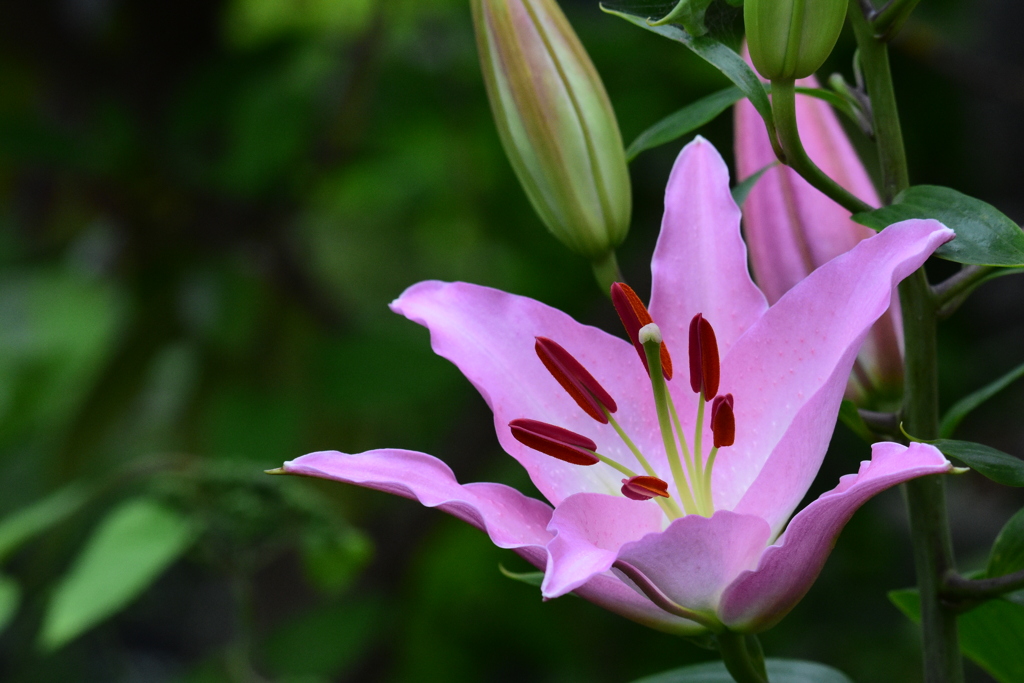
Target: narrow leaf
point(984, 235)
point(718, 55)
point(991, 635)
point(964, 406)
point(686, 120)
point(742, 189)
point(529, 578)
point(1008, 551)
point(779, 671)
point(127, 552)
point(1000, 467)
point(22, 525)
point(10, 598)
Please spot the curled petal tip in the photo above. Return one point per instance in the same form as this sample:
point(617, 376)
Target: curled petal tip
point(276, 470)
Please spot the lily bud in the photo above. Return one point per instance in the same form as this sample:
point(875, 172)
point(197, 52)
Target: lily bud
point(556, 123)
point(791, 39)
point(791, 228)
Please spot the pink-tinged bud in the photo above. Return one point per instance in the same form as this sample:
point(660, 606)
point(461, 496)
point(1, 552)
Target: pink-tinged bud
point(791, 228)
point(723, 421)
point(705, 370)
point(554, 441)
point(556, 122)
point(635, 315)
point(574, 378)
point(644, 488)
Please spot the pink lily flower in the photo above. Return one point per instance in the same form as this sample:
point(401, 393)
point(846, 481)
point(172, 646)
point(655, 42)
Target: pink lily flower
point(791, 228)
point(643, 516)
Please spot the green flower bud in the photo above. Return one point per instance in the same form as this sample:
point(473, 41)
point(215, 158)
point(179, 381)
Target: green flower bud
point(791, 39)
point(556, 122)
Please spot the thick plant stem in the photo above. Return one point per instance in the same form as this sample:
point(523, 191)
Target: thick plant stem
point(926, 497)
point(739, 661)
point(606, 271)
point(784, 109)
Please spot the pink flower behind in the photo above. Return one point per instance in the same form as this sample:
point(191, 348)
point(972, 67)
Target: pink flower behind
point(636, 545)
point(792, 228)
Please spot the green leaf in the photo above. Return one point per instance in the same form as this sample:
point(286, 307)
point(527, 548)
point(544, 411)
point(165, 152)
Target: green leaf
point(686, 120)
point(964, 406)
point(742, 190)
point(127, 552)
point(529, 578)
point(984, 235)
point(10, 598)
point(779, 671)
point(1007, 554)
point(991, 635)
point(20, 526)
point(1000, 467)
point(718, 55)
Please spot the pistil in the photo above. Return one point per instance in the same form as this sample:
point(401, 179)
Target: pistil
point(650, 338)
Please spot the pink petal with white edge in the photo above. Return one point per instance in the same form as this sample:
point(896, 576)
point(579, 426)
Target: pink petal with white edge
point(696, 557)
point(589, 529)
point(759, 599)
point(793, 363)
point(511, 519)
point(700, 261)
point(490, 336)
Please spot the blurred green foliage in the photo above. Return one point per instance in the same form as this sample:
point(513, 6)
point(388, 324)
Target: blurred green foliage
point(205, 208)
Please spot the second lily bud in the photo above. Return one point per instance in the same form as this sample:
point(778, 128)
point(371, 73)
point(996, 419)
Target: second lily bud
point(556, 123)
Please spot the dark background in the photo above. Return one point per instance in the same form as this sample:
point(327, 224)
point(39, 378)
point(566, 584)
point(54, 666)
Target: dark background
point(205, 208)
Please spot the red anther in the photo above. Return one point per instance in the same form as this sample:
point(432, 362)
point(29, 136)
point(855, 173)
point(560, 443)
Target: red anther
point(635, 315)
point(644, 488)
point(574, 378)
point(723, 421)
point(704, 365)
point(554, 441)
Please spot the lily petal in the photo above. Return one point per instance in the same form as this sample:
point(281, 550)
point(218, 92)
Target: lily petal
point(758, 599)
point(511, 519)
point(589, 529)
point(700, 261)
point(791, 366)
point(696, 557)
point(490, 336)
point(609, 592)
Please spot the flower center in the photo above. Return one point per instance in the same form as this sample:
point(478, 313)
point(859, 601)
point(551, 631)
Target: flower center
point(689, 470)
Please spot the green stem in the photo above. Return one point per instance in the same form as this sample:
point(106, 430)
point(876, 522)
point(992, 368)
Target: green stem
point(784, 109)
point(926, 497)
point(606, 270)
point(738, 659)
point(960, 588)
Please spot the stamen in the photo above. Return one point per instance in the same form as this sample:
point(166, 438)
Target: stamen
point(574, 378)
point(704, 364)
point(554, 441)
point(644, 488)
point(723, 421)
point(634, 315)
